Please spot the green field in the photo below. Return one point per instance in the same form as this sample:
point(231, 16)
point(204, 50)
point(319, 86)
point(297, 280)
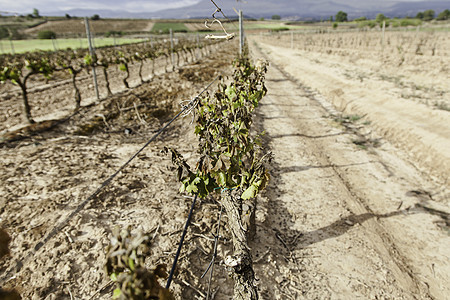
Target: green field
point(21, 46)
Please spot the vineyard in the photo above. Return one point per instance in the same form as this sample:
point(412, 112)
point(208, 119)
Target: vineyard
point(313, 166)
point(230, 161)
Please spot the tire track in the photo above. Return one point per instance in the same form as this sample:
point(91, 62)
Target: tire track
point(356, 222)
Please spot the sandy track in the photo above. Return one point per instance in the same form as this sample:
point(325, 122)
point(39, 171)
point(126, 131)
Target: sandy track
point(341, 222)
point(420, 130)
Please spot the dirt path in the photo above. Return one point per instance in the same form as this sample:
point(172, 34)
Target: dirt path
point(339, 221)
point(417, 128)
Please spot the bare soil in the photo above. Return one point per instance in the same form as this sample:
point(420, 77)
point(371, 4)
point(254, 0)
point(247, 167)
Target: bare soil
point(352, 210)
point(359, 203)
point(47, 175)
point(76, 26)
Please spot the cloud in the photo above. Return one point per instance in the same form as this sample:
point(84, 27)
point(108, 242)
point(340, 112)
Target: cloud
point(26, 6)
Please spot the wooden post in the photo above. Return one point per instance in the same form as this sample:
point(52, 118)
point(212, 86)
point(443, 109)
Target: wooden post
point(384, 29)
point(92, 52)
point(241, 33)
point(1, 46)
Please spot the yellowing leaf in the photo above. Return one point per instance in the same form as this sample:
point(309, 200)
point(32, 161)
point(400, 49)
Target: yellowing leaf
point(249, 193)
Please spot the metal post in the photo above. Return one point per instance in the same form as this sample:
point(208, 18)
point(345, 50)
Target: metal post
point(54, 45)
point(92, 52)
point(197, 49)
point(241, 33)
point(171, 48)
point(12, 47)
point(292, 40)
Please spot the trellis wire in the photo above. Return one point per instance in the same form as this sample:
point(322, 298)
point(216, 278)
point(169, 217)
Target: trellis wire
point(180, 245)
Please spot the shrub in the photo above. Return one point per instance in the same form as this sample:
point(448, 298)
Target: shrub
point(114, 33)
point(4, 33)
point(95, 17)
point(279, 29)
point(46, 35)
point(276, 17)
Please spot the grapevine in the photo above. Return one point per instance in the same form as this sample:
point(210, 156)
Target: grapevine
point(231, 161)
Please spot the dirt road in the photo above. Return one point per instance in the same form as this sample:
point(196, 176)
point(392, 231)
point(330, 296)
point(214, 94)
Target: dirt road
point(343, 219)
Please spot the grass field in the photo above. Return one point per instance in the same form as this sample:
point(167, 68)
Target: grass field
point(21, 46)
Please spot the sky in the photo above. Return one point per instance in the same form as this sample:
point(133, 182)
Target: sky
point(26, 6)
point(134, 6)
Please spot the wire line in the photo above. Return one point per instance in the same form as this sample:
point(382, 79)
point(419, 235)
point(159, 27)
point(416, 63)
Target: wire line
point(177, 255)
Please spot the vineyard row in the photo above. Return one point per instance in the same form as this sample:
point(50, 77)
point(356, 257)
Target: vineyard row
point(18, 69)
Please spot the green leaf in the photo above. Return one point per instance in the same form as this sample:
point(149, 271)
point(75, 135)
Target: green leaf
point(249, 193)
point(116, 294)
point(221, 179)
point(113, 276)
point(123, 67)
point(131, 264)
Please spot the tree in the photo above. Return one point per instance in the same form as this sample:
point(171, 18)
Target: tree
point(276, 17)
point(380, 18)
point(36, 13)
point(428, 15)
point(68, 16)
point(95, 17)
point(419, 15)
point(444, 15)
point(341, 16)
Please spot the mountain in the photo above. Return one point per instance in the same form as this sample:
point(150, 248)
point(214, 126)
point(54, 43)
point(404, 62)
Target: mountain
point(300, 9)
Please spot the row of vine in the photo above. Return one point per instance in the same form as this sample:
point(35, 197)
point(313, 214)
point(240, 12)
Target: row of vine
point(19, 68)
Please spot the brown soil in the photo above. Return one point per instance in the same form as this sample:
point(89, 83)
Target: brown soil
point(350, 212)
point(76, 26)
point(45, 177)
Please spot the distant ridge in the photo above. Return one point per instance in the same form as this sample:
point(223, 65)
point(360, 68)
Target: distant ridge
point(300, 9)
